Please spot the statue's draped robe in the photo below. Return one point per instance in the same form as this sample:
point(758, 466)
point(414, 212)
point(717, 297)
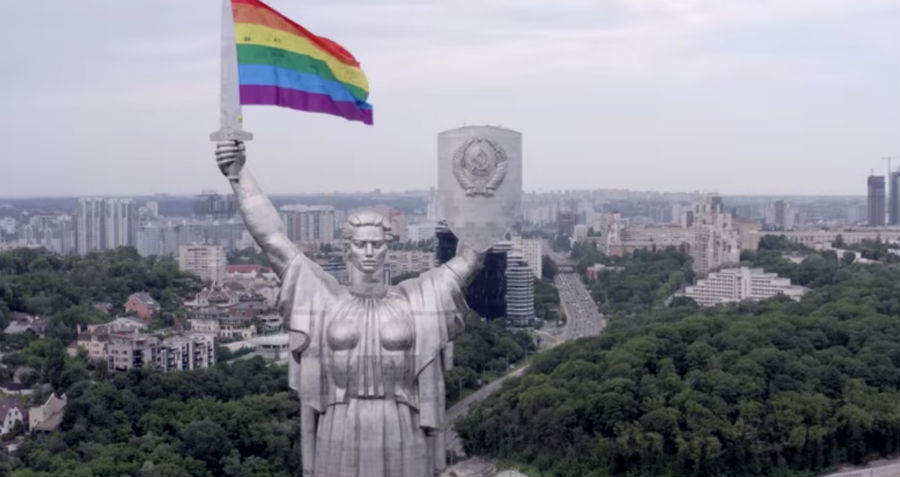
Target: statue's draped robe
point(372, 368)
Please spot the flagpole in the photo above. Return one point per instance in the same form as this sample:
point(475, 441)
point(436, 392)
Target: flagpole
point(229, 101)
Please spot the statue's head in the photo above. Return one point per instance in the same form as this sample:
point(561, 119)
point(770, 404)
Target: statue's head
point(367, 237)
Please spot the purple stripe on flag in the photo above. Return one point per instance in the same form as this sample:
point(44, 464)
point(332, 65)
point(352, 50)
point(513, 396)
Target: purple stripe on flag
point(296, 99)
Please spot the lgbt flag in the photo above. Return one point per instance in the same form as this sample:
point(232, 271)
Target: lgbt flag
point(282, 63)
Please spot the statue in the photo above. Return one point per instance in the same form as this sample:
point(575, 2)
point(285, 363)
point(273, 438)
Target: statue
point(368, 358)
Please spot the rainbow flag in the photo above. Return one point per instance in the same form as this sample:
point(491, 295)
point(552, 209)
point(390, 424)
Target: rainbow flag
point(282, 63)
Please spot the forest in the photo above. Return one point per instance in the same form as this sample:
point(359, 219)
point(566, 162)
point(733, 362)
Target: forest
point(237, 419)
point(773, 388)
point(63, 289)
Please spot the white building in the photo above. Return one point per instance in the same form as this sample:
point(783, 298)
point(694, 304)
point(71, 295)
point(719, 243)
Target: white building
point(8, 225)
point(103, 224)
point(716, 242)
point(519, 290)
point(682, 215)
point(163, 237)
point(313, 224)
point(152, 208)
point(184, 352)
point(223, 327)
point(409, 261)
point(822, 239)
point(580, 232)
point(780, 215)
point(420, 232)
point(11, 412)
point(206, 261)
point(732, 285)
point(532, 250)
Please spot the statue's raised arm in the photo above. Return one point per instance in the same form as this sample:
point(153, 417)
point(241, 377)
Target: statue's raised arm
point(260, 216)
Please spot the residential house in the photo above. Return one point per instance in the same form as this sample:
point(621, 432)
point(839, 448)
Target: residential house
point(46, 417)
point(142, 305)
point(12, 412)
point(25, 323)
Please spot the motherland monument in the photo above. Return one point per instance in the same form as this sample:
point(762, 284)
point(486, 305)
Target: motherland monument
point(367, 358)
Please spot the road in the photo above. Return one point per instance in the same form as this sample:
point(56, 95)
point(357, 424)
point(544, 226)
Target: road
point(888, 469)
point(462, 407)
point(582, 319)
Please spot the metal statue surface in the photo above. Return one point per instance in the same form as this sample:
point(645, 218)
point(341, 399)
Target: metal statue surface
point(479, 182)
point(479, 166)
point(368, 358)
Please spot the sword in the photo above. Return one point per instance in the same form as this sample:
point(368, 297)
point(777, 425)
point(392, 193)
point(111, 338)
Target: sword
point(230, 118)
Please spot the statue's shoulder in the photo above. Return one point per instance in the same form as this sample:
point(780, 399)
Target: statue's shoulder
point(431, 284)
point(305, 277)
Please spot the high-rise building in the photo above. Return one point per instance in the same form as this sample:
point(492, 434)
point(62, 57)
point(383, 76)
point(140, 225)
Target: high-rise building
point(152, 207)
point(780, 216)
point(565, 222)
point(409, 261)
point(486, 294)
point(103, 224)
point(206, 261)
point(680, 214)
point(420, 232)
point(894, 199)
point(88, 225)
point(519, 290)
point(120, 224)
point(7, 226)
point(164, 237)
point(54, 232)
point(211, 204)
point(309, 224)
point(532, 250)
point(876, 200)
point(716, 241)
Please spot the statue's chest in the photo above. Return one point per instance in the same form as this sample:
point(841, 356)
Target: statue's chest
point(372, 323)
point(369, 343)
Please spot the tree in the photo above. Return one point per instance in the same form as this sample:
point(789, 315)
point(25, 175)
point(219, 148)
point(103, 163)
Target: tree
point(773, 388)
point(562, 243)
point(54, 365)
point(839, 242)
point(548, 268)
point(847, 258)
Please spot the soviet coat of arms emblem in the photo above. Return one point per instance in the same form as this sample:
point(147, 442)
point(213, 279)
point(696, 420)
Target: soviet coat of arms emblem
point(479, 165)
point(479, 183)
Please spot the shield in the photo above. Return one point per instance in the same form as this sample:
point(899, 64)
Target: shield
point(479, 183)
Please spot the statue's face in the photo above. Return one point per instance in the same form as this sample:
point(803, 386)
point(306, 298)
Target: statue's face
point(367, 249)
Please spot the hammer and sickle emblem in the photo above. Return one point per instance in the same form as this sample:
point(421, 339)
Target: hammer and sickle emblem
point(480, 167)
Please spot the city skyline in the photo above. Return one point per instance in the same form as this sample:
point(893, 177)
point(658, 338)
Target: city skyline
point(674, 96)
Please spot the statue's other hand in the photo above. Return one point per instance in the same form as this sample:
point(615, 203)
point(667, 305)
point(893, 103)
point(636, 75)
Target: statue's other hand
point(474, 259)
point(230, 157)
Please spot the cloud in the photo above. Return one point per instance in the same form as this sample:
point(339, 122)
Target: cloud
point(603, 90)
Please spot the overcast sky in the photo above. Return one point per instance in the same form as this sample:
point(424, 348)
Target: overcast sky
point(734, 96)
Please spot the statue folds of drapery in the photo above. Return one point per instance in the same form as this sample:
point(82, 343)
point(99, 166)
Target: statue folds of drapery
point(367, 358)
point(371, 367)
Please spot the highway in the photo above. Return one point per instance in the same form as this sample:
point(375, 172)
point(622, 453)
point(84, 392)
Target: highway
point(582, 320)
point(582, 317)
